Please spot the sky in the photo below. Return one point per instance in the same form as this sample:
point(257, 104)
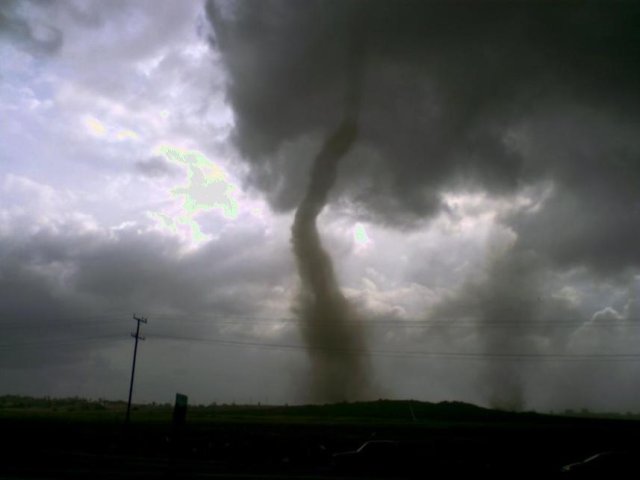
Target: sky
point(478, 230)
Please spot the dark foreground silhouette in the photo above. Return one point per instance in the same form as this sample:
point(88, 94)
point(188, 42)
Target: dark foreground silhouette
point(384, 439)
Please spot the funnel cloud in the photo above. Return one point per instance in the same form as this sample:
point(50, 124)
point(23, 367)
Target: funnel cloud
point(335, 341)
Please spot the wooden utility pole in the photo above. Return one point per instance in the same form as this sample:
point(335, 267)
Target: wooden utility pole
point(137, 336)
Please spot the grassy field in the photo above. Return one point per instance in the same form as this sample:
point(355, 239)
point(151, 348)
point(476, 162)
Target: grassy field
point(73, 437)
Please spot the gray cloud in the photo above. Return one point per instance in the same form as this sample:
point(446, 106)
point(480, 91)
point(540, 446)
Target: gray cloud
point(592, 217)
point(68, 288)
point(36, 37)
point(445, 86)
point(53, 275)
point(155, 167)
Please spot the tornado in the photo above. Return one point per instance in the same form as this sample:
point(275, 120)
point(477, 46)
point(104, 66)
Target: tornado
point(334, 338)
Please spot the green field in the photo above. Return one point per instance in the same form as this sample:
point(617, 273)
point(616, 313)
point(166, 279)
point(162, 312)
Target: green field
point(65, 438)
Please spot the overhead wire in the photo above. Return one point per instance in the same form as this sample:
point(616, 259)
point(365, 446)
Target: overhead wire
point(224, 319)
point(409, 353)
point(61, 342)
point(375, 352)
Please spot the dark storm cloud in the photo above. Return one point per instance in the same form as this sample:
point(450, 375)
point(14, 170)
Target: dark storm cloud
point(445, 86)
point(35, 37)
point(592, 217)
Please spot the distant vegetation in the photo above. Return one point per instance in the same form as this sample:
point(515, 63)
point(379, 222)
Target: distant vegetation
point(73, 403)
point(403, 411)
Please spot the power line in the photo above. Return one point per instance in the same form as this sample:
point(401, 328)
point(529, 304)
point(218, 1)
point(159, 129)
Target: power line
point(51, 325)
point(65, 342)
point(79, 317)
point(375, 353)
point(28, 322)
point(260, 321)
point(236, 319)
point(408, 353)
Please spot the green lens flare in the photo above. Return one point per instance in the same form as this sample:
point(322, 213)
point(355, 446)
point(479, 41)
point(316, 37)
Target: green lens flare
point(360, 235)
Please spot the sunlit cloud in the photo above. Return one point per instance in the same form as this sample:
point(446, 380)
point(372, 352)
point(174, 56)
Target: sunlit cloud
point(126, 135)
point(110, 133)
point(208, 188)
point(95, 126)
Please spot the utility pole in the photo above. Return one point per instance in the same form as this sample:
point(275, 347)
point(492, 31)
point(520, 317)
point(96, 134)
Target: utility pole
point(137, 336)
